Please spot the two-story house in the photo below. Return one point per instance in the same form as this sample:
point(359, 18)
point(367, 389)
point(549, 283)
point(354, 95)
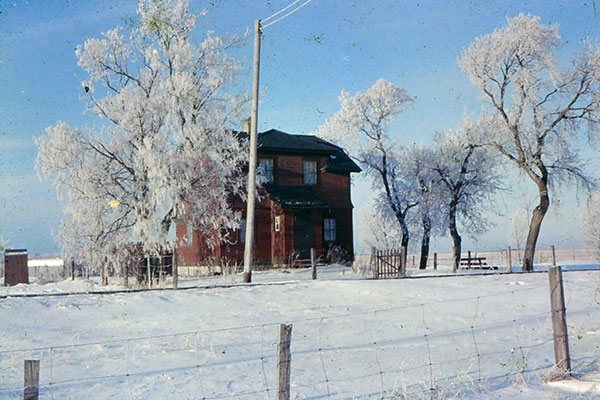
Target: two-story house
point(305, 203)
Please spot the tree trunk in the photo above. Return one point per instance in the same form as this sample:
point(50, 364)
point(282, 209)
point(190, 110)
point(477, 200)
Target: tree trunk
point(126, 275)
point(425, 242)
point(534, 227)
point(404, 243)
point(456, 239)
point(103, 272)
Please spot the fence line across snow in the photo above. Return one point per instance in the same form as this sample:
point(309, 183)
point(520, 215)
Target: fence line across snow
point(373, 361)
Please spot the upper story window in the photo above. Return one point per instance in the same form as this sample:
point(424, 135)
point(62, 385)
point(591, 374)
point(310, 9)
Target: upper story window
point(329, 231)
point(265, 165)
point(310, 172)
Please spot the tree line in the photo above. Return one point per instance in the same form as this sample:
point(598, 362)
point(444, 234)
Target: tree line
point(533, 113)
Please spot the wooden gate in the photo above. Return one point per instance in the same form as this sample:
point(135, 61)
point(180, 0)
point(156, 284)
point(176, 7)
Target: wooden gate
point(387, 264)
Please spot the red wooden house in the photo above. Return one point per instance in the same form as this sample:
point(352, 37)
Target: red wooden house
point(305, 204)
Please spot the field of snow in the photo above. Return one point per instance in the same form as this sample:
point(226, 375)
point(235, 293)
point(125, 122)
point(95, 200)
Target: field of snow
point(446, 337)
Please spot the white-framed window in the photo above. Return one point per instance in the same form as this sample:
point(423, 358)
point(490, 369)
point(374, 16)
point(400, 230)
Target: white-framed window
point(265, 165)
point(310, 172)
point(329, 231)
point(242, 231)
point(277, 223)
point(189, 234)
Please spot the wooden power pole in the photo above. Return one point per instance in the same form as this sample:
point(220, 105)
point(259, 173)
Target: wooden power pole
point(249, 244)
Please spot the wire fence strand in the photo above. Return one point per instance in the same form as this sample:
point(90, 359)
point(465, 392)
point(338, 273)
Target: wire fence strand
point(397, 350)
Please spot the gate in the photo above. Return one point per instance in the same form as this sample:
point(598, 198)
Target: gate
point(387, 264)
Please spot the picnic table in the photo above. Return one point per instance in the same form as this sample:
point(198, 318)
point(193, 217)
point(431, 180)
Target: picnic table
point(475, 263)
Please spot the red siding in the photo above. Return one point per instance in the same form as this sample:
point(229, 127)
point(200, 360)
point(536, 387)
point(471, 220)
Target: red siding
point(335, 190)
point(273, 247)
point(288, 170)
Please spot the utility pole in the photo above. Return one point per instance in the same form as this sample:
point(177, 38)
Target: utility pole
point(249, 244)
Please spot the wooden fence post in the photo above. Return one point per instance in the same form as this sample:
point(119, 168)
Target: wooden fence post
point(284, 366)
point(174, 272)
point(374, 263)
point(72, 270)
point(126, 273)
point(469, 259)
point(161, 269)
point(31, 380)
point(553, 255)
point(435, 261)
point(102, 271)
point(313, 263)
point(148, 272)
point(508, 259)
point(562, 359)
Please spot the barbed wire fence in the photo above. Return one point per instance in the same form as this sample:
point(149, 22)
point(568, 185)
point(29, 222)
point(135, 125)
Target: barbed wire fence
point(456, 347)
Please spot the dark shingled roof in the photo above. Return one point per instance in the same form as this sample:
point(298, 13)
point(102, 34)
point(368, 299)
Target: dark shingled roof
point(295, 196)
point(277, 141)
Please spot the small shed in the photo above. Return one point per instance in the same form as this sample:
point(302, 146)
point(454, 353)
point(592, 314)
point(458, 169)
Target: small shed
point(15, 267)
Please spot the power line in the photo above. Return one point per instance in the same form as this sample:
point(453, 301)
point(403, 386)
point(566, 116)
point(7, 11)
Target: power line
point(280, 11)
point(287, 15)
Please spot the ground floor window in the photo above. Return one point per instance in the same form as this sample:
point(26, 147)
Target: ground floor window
point(329, 231)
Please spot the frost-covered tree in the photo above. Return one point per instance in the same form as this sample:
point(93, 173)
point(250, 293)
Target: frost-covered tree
point(161, 149)
point(385, 232)
point(539, 109)
point(591, 221)
point(361, 126)
point(519, 221)
point(4, 243)
point(468, 174)
point(428, 216)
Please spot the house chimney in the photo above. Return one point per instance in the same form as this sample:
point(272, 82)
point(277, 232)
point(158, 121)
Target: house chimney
point(246, 125)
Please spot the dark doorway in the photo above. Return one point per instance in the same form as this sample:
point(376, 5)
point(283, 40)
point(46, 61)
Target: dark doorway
point(303, 233)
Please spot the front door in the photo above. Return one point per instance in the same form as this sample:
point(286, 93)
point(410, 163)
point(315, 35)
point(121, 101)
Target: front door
point(303, 233)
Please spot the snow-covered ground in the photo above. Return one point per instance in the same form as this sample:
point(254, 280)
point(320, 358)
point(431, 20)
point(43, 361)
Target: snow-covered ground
point(465, 337)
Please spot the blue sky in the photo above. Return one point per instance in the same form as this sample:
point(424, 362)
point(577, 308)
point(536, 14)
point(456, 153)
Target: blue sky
point(307, 59)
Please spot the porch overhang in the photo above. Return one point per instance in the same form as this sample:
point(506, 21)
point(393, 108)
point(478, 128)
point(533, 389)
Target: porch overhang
point(295, 197)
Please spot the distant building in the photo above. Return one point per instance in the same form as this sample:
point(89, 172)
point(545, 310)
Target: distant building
point(46, 263)
point(15, 267)
point(47, 269)
point(305, 204)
